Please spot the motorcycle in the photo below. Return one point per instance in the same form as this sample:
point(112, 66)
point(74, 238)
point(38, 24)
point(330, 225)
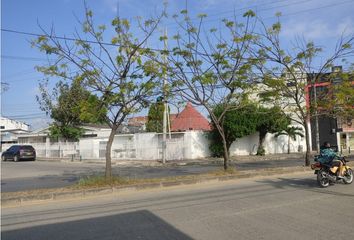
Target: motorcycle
point(327, 174)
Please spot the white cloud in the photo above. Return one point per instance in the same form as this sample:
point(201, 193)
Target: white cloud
point(318, 29)
point(112, 5)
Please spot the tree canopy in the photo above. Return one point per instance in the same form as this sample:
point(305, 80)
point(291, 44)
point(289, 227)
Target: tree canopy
point(244, 121)
point(269, 120)
point(285, 72)
point(209, 69)
point(70, 106)
point(119, 71)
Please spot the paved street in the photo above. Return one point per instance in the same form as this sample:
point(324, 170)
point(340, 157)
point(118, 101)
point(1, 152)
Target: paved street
point(28, 175)
point(283, 207)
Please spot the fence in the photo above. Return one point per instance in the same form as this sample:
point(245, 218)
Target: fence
point(145, 146)
point(148, 146)
point(54, 150)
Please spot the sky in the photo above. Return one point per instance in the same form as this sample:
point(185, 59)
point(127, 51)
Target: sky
point(322, 21)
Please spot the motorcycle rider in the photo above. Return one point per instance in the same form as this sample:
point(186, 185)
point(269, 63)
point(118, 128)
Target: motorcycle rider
point(328, 156)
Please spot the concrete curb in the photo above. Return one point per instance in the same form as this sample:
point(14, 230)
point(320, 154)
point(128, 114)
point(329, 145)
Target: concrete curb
point(16, 200)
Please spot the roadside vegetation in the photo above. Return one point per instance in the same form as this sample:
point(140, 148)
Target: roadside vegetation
point(101, 181)
point(223, 69)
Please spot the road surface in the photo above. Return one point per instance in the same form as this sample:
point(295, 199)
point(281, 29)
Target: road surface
point(288, 207)
point(28, 175)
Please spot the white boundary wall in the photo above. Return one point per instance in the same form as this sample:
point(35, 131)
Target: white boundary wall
point(148, 146)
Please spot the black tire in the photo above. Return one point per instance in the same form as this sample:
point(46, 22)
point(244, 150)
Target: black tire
point(3, 158)
point(348, 176)
point(16, 158)
point(322, 179)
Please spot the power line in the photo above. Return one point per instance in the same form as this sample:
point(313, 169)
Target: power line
point(22, 117)
point(17, 74)
point(260, 10)
point(25, 58)
point(316, 8)
point(161, 50)
point(244, 8)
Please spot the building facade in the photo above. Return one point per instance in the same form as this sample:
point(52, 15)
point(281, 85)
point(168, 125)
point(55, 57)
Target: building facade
point(325, 126)
point(10, 129)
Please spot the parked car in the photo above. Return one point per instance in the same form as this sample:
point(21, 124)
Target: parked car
point(18, 152)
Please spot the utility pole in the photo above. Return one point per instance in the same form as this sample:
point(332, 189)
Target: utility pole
point(164, 124)
point(316, 114)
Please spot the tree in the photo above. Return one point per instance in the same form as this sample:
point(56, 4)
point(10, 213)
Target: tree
point(285, 73)
point(213, 68)
point(64, 105)
point(119, 72)
point(270, 120)
point(244, 121)
point(237, 123)
point(338, 99)
point(155, 117)
point(291, 132)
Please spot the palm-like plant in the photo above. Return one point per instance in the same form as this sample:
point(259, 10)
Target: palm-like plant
point(291, 132)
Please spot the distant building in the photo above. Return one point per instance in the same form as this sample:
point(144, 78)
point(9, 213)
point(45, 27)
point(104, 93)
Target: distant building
point(190, 119)
point(339, 132)
point(10, 129)
point(187, 120)
point(137, 121)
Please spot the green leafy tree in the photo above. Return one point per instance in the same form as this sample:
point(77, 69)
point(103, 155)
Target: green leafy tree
point(270, 120)
point(155, 117)
point(291, 132)
point(338, 99)
point(244, 121)
point(213, 68)
point(285, 72)
point(119, 71)
point(64, 105)
point(236, 124)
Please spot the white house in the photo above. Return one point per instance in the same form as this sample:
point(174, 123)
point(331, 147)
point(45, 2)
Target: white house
point(10, 129)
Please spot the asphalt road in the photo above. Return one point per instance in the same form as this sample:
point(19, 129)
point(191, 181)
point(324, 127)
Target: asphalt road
point(288, 207)
point(28, 175)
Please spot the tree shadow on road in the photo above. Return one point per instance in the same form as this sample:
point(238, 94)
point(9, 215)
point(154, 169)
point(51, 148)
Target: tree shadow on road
point(133, 225)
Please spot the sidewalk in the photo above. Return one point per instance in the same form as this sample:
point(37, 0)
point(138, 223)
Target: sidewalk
point(246, 167)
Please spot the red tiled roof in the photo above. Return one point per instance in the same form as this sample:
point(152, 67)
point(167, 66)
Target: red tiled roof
point(189, 119)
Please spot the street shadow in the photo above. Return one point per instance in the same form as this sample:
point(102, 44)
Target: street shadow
point(306, 184)
point(41, 182)
point(133, 225)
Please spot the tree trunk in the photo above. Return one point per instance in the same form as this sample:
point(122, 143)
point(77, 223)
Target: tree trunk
point(308, 146)
point(288, 144)
point(108, 172)
point(223, 138)
point(262, 135)
point(226, 155)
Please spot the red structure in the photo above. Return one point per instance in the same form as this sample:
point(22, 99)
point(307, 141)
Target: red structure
point(189, 119)
point(336, 130)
